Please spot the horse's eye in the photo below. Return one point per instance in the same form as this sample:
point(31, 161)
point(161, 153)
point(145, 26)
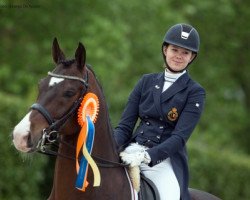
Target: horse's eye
point(69, 93)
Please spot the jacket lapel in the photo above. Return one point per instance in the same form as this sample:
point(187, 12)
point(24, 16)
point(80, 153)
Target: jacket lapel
point(178, 85)
point(157, 90)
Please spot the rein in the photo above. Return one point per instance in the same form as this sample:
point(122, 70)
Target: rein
point(99, 161)
point(51, 134)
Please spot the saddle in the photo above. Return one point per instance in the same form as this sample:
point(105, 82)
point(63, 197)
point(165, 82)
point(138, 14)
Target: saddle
point(148, 190)
point(145, 187)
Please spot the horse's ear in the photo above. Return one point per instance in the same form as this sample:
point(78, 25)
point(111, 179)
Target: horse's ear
point(80, 56)
point(57, 53)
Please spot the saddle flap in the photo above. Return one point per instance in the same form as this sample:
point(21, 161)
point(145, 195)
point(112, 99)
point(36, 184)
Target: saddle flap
point(148, 190)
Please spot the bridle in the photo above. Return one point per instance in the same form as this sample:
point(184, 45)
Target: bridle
point(50, 135)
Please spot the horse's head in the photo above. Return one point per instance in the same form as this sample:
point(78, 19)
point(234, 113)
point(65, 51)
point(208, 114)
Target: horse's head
point(59, 96)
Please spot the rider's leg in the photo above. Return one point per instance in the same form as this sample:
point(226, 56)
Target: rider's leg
point(164, 178)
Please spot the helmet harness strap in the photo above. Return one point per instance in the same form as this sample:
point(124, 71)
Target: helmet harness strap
point(169, 68)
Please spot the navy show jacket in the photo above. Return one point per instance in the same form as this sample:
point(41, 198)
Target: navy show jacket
point(166, 120)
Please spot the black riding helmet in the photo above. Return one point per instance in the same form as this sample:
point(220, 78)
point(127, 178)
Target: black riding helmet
point(182, 35)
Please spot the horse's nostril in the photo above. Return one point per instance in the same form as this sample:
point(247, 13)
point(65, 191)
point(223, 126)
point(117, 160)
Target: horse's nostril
point(29, 142)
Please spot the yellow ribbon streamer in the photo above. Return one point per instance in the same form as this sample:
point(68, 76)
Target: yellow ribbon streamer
point(96, 172)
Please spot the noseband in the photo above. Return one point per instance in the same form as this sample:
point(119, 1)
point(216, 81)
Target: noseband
point(50, 134)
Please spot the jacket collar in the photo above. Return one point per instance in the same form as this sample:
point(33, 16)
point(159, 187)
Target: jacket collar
point(159, 97)
point(157, 90)
point(177, 86)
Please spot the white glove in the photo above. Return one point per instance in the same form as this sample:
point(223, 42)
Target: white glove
point(134, 155)
point(134, 147)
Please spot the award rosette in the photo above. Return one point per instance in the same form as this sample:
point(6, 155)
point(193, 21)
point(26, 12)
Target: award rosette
point(87, 116)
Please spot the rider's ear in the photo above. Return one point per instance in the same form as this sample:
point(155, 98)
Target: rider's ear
point(57, 53)
point(80, 56)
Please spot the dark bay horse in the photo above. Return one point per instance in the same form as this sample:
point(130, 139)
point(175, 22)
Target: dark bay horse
point(60, 95)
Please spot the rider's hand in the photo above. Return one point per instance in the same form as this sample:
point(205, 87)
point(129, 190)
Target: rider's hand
point(134, 155)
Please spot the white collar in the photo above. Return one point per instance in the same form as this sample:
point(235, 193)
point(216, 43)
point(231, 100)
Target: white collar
point(173, 76)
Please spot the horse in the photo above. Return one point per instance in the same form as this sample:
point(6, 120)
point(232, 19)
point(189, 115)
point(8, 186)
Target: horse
point(53, 118)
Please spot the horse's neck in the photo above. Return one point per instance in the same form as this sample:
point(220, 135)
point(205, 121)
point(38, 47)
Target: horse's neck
point(104, 142)
point(65, 171)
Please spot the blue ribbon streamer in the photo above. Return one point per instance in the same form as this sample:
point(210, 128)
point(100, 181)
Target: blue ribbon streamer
point(84, 163)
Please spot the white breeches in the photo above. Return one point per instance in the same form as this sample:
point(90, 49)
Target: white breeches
point(164, 178)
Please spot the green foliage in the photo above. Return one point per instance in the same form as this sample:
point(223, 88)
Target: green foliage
point(123, 41)
point(223, 58)
point(223, 173)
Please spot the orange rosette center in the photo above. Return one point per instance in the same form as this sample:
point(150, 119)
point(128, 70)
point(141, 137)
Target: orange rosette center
point(89, 107)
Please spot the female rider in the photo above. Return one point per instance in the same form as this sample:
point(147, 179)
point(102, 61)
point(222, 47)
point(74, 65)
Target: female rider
point(169, 105)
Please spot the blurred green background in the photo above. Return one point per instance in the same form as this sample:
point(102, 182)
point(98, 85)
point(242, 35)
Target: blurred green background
point(123, 41)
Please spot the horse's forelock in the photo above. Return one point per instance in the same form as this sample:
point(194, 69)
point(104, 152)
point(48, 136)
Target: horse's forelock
point(67, 63)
